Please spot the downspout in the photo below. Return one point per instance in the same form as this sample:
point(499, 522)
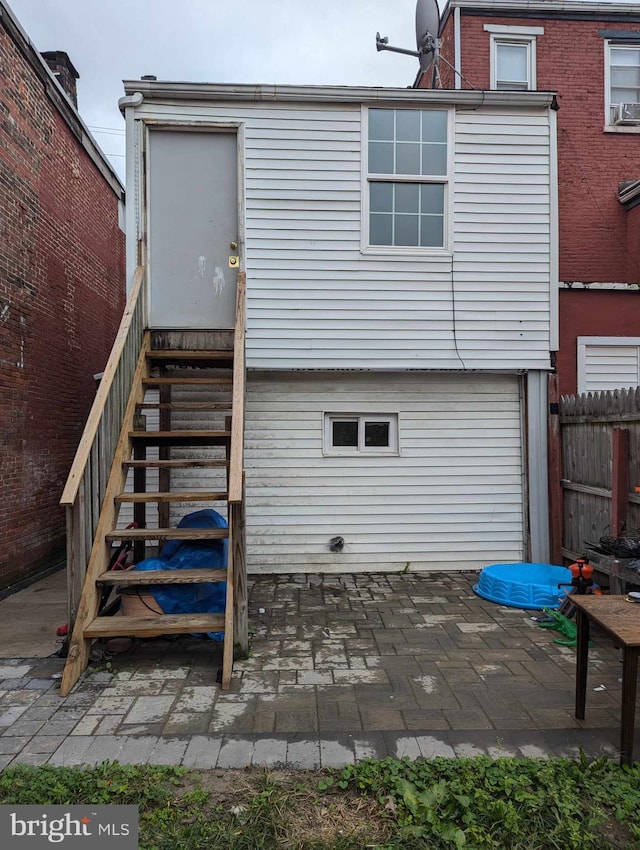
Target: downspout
point(128, 106)
point(457, 48)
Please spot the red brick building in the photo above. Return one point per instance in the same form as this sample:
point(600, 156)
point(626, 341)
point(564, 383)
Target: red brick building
point(61, 293)
point(589, 53)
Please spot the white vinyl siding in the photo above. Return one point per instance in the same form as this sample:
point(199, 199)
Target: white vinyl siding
point(315, 300)
point(452, 499)
point(608, 363)
point(502, 266)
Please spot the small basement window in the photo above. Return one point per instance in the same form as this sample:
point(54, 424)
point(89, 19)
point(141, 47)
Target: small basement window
point(359, 433)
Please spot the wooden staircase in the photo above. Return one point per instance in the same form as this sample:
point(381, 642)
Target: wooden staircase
point(177, 428)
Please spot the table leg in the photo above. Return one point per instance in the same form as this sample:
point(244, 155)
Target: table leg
point(627, 720)
point(582, 661)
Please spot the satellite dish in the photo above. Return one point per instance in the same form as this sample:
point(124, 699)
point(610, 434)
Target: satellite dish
point(427, 27)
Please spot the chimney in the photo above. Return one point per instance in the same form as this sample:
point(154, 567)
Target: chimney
point(64, 72)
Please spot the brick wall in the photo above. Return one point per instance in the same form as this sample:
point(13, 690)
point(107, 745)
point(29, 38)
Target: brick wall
point(599, 239)
point(591, 163)
point(61, 299)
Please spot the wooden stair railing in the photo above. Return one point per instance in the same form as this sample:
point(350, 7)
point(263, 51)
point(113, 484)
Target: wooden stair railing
point(131, 454)
point(86, 484)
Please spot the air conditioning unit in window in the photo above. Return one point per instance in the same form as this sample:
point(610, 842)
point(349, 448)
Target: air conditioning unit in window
point(627, 113)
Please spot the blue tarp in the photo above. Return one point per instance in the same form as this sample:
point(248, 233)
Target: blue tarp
point(207, 598)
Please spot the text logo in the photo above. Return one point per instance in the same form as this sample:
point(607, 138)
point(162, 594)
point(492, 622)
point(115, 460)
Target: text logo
point(72, 827)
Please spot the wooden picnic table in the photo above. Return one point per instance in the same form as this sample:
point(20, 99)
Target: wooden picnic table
point(620, 619)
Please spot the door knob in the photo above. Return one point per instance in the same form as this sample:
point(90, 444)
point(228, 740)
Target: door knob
point(233, 246)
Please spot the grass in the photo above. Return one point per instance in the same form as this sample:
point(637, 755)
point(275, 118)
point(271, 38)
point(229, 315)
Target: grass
point(391, 804)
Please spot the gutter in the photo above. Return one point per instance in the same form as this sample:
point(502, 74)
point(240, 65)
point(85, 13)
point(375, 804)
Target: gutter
point(219, 92)
point(574, 10)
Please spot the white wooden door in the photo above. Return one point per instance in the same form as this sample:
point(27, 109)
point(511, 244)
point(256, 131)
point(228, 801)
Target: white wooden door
point(193, 228)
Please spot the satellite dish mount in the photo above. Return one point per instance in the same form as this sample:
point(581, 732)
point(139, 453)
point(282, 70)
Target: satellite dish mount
point(426, 47)
point(427, 28)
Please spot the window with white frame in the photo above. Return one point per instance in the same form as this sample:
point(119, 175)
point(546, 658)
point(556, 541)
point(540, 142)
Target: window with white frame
point(513, 57)
point(407, 178)
point(360, 433)
point(623, 78)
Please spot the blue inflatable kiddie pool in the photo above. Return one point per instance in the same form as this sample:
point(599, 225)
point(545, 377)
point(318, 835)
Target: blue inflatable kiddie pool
point(523, 585)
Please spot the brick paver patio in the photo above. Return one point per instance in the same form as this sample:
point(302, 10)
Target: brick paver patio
point(340, 667)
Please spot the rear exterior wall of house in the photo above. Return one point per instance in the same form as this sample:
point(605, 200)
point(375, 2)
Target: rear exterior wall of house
point(61, 300)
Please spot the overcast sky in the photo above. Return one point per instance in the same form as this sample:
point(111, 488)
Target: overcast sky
point(241, 41)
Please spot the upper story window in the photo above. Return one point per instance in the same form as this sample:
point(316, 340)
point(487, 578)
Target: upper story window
point(622, 62)
point(407, 178)
point(513, 57)
point(513, 65)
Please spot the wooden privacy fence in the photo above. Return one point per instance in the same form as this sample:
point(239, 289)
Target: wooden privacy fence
point(595, 468)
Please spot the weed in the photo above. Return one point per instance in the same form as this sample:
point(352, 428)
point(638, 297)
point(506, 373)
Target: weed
point(391, 804)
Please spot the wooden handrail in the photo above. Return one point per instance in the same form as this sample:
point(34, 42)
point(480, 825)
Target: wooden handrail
point(236, 459)
point(70, 492)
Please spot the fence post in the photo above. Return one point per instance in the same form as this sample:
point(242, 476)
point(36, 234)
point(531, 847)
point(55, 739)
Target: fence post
point(556, 497)
point(619, 479)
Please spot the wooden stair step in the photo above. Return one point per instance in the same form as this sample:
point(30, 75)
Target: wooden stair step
point(182, 463)
point(167, 382)
point(181, 438)
point(167, 534)
point(185, 405)
point(145, 577)
point(166, 624)
point(193, 496)
point(189, 355)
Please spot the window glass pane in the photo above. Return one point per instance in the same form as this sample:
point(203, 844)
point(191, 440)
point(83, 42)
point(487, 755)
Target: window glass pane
point(381, 197)
point(407, 197)
point(380, 229)
point(625, 55)
point(434, 159)
point(408, 125)
point(407, 158)
point(432, 198)
point(625, 77)
point(512, 63)
point(345, 433)
point(434, 126)
point(381, 123)
point(431, 231)
point(381, 157)
point(376, 434)
point(624, 96)
point(406, 230)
